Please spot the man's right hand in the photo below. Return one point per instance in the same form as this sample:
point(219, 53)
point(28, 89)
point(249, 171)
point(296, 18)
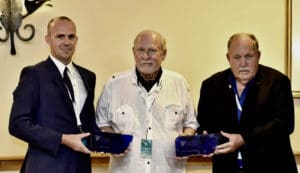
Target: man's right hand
point(74, 141)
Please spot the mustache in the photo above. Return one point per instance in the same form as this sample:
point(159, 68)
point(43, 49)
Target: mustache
point(146, 62)
point(244, 69)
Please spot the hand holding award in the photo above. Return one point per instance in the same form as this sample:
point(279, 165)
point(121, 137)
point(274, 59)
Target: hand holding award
point(113, 143)
point(203, 144)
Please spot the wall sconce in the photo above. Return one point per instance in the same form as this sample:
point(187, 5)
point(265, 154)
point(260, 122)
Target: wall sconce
point(11, 19)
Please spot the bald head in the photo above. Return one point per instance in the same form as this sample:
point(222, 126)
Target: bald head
point(149, 52)
point(241, 36)
point(155, 35)
point(53, 21)
point(243, 56)
point(62, 38)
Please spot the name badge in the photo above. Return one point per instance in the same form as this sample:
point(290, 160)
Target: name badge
point(146, 148)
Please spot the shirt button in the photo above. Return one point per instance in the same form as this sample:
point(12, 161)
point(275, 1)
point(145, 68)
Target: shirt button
point(148, 163)
point(149, 128)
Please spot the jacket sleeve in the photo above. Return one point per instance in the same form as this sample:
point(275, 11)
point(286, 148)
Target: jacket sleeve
point(24, 112)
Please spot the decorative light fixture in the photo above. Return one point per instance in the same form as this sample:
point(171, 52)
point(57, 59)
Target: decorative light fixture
point(11, 19)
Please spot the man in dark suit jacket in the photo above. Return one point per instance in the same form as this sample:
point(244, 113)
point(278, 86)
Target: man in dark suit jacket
point(46, 114)
point(251, 105)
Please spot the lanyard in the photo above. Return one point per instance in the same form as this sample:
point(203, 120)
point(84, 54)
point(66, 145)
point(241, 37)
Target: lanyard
point(239, 103)
point(149, 99)
point(239, 100)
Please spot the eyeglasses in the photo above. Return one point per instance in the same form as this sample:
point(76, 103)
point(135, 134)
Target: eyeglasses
point(142, 51)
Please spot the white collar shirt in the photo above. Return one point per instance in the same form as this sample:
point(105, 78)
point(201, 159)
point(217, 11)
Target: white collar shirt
point(80, 92)
point(159, 115)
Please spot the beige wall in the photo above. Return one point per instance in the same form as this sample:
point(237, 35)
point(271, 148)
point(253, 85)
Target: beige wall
point(196, 33)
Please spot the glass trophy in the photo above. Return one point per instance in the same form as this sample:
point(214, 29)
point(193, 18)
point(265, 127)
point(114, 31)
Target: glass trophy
point(196, 145)
point(114, 143)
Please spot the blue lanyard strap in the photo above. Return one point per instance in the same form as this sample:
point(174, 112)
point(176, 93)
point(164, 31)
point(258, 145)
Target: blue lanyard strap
point(239, 99)
point(239, 103)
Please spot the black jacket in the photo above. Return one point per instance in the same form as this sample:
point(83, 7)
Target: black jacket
point(266, 122)
point(42, 111)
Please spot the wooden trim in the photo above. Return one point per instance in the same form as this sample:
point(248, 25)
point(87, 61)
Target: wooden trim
point(100, 160)
point(15, 162)
point(11, 162)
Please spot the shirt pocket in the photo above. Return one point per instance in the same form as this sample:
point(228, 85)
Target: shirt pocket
point(174, 116)
point(124, 119)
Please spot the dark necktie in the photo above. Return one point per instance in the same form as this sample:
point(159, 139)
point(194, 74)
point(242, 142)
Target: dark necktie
point(68, 83)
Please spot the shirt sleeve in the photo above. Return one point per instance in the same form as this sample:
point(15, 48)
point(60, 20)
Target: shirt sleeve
point(103, 107)
point(190, 120)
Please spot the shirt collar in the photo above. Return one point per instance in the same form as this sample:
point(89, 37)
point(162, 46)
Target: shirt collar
point(61, 67)
point(148, 84)
point(134, 79)
point(233, 83)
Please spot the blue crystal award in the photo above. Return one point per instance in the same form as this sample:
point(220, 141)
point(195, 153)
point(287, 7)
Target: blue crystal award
point(106, 142)
point(196, 145)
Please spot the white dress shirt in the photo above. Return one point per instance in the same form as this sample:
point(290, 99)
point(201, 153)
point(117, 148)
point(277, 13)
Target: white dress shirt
point(80, 92)
point(159, 115)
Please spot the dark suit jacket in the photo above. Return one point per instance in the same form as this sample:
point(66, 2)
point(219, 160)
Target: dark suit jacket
point(42, 111)
point(266, 122)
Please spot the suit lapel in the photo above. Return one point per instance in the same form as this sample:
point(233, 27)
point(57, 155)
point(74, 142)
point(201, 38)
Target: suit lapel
point(84, 77)
point(57, 80)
